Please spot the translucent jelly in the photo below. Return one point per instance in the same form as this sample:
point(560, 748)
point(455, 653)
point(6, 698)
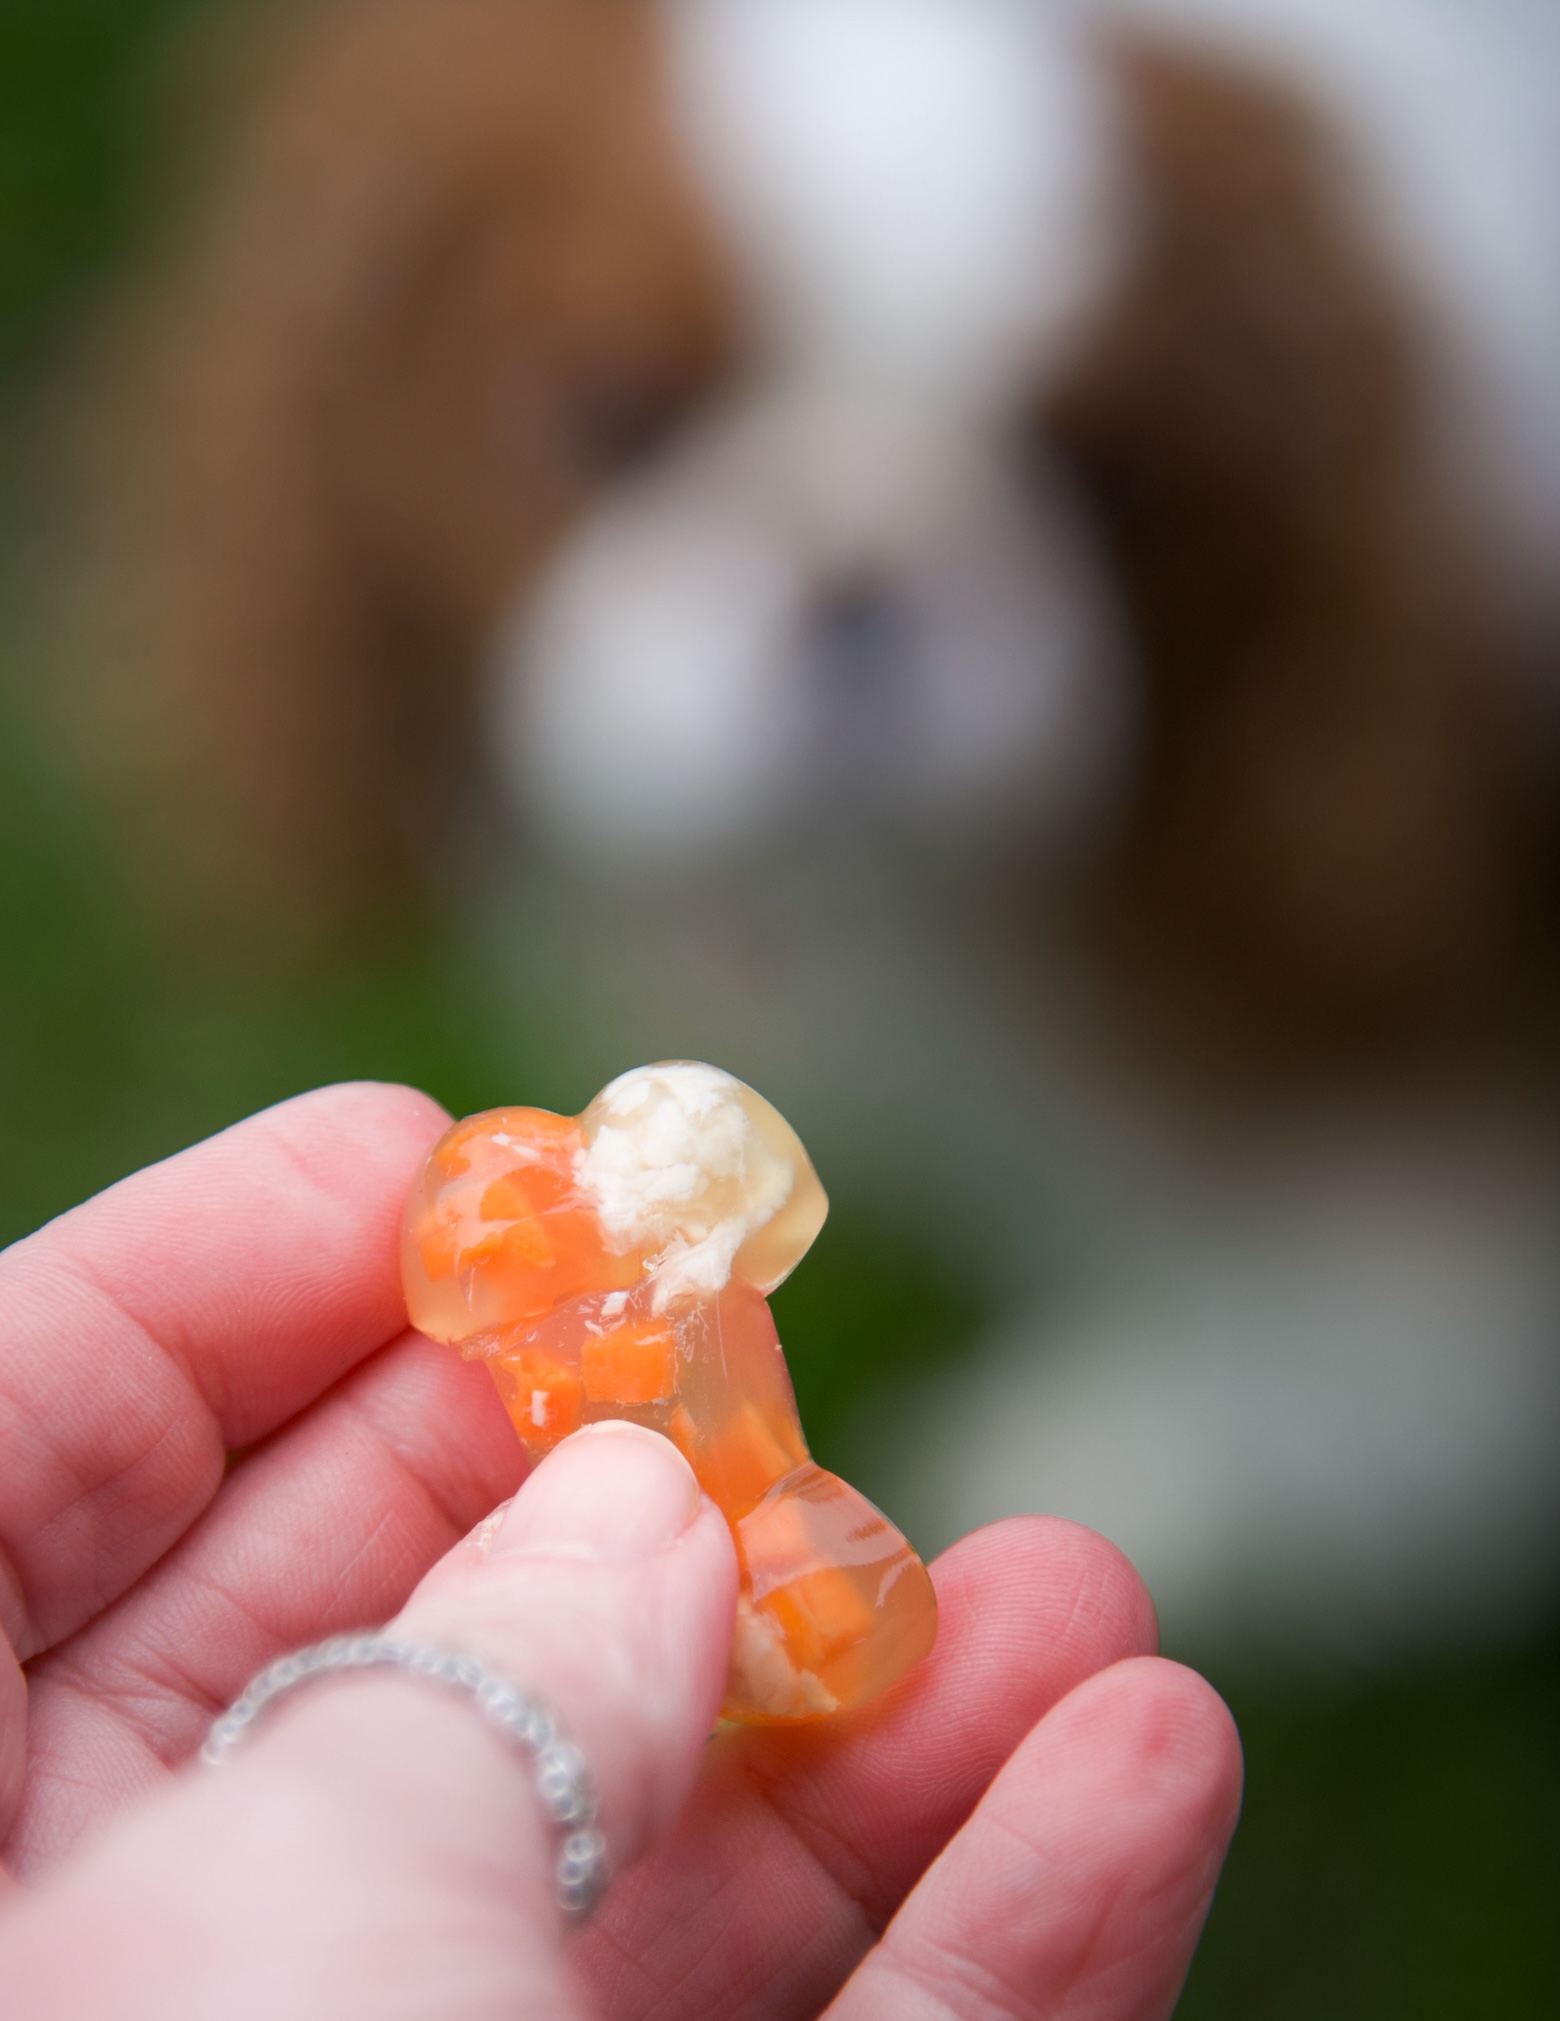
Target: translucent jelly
point(615, 1265)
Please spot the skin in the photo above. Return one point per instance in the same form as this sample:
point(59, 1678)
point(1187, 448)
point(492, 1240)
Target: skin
point(220, 1442)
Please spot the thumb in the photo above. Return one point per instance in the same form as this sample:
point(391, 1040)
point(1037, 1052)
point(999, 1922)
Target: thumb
point(608, 1587)
point(376, 1848)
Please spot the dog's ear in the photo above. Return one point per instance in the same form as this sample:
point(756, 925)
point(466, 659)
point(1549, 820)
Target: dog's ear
point(1323, 849)
point(450, 280)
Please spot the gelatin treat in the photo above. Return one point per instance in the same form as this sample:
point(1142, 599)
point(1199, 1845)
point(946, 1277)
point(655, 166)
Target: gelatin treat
point(615, 1265)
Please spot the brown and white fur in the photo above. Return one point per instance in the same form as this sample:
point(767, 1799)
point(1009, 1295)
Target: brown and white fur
point(1098, 447)
point(469, 268)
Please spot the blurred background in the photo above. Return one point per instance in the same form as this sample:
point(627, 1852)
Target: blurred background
point(989, 565)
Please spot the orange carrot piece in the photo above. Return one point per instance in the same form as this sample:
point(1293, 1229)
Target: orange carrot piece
point(541, 1135)
point(633, 1363)
point(544, 1397)
point(523, 1242)
point(820, 1615)
point(435, 1240)
point(510, 1198)
point(740, 1462)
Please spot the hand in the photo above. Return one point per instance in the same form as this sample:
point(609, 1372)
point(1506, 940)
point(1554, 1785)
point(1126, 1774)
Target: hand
point(218, 1442)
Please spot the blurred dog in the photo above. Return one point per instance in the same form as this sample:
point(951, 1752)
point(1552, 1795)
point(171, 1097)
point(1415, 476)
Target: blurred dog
point(959, 463)
point(982, 418)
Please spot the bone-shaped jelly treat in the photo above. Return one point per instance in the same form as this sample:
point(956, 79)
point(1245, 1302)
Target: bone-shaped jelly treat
point(615, 1265)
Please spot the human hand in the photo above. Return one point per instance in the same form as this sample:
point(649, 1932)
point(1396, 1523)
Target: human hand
point(220, 1442)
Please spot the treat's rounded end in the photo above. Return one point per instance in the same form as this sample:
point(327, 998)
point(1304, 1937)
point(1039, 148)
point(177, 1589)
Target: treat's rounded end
point(692, 1167)
point(678, 1178)
point(495, 1233)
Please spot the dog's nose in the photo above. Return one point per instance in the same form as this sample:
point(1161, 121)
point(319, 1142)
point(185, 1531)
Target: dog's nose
point(856, 631)
point(857, 644)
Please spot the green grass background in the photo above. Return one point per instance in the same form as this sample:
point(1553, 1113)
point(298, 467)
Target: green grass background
point(1400, 1854)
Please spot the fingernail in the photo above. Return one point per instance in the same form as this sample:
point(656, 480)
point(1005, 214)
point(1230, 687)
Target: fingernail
point(611, 1492)
point(482, 1536)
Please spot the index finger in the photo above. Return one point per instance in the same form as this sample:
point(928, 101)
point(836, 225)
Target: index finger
point(185, 1312)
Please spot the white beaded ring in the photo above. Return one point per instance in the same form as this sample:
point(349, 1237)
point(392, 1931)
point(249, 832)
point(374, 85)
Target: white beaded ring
point(564, 1785)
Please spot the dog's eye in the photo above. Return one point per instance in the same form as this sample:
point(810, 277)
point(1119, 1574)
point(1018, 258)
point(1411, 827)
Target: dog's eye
point(617, 423)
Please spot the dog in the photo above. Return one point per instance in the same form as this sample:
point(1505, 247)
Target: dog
point(951, 527)
point(1143, 307)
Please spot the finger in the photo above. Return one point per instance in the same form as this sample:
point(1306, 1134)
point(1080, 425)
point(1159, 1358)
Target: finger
point(1081, 1884)
point(377, 1849)
point(622, 1666)
point(191, 1308)
point(800, 1845)
point(327, 1527)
